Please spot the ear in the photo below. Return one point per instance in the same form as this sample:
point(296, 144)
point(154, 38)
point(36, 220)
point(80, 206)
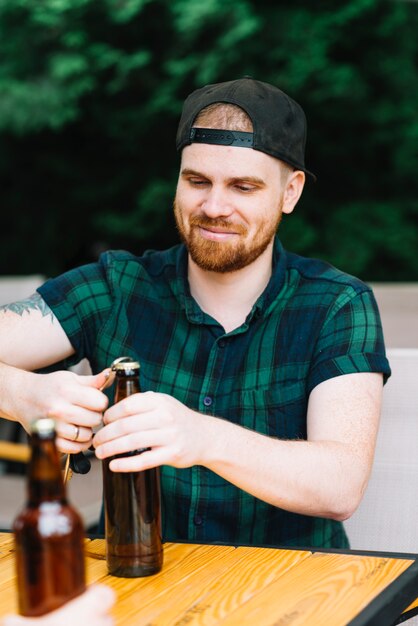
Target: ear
point(293, 190)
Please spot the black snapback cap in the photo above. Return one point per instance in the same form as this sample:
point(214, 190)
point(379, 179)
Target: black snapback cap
point(279, 123)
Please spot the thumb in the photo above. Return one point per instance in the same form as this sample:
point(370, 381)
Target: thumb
point(100, 381)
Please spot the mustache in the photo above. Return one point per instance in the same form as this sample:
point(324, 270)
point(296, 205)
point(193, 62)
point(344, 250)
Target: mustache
point(227, 226)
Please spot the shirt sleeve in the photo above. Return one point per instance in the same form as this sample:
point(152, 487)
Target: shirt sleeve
point(351, 340)
point(81, 300)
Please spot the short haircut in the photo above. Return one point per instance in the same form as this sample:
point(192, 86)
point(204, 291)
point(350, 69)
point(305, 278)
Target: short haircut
point(225, 116)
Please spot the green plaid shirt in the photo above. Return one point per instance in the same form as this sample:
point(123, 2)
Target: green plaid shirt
point(311, 323)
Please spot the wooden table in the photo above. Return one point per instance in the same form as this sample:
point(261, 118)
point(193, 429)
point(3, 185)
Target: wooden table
point(211, 584)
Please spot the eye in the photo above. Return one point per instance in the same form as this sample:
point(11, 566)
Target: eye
point(197, 182)
point(245, 187)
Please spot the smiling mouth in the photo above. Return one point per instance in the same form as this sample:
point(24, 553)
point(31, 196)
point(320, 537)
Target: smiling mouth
point(217, 229)
point(216, 234)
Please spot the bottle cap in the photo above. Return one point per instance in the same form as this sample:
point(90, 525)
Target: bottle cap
point(124, 363)
point(42, 426)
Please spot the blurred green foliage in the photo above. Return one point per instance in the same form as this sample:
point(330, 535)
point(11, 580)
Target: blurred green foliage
point(91, 92)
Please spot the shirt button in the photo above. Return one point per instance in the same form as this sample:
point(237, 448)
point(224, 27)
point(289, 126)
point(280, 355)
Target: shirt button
point(198, 520)
point(207, 401)
point(222, 343)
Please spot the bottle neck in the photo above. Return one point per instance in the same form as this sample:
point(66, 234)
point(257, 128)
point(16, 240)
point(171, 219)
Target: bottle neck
point(45, 483)
point(126, 385)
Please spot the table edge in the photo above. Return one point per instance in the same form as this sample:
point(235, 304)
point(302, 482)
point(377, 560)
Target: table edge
point(387, 608)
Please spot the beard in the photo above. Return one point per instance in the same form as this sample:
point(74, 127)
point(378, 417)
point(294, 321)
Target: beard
point(224, 256)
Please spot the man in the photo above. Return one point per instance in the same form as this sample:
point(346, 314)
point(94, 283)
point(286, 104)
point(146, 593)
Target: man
point(262, 370)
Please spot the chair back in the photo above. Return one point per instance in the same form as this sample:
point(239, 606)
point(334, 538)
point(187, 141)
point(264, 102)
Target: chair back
point(387, 518)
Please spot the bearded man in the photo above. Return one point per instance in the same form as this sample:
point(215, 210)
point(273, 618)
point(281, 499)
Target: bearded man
point(262, 371)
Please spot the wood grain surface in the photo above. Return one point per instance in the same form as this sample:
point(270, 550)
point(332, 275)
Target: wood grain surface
point(221, 585)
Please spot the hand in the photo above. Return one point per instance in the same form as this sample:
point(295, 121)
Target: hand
point(91, 608)
point(176, 435)
point(75, 402)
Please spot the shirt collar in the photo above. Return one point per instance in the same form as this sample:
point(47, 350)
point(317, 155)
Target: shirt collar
point(193, 311)
point(276, 279)
point(195, 314)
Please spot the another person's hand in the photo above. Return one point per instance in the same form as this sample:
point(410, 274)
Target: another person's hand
point(91, 608)
point(177, 435)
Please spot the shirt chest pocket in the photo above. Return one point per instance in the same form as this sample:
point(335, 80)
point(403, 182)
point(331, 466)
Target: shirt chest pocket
point(277, 411)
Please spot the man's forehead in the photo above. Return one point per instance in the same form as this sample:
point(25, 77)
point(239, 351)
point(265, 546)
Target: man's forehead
point(231, 160)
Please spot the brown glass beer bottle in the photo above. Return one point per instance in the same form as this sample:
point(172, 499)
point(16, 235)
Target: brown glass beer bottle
point(131, 501)
point(48, 533)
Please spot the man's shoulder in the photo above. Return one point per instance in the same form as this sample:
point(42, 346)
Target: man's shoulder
point(152, 262)
point(316, 275)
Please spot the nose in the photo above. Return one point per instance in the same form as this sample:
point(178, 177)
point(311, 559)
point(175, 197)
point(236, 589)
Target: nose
point(216, 204)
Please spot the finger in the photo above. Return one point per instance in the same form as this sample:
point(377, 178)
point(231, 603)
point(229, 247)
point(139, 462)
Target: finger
point(81, 390)
point(72, 447)
point(127, 425)
point(75, 414)
point(130, 443)
point(91, 398)
point(146, 460)
point(85, 391)
point(73, 432)
point(136, 403)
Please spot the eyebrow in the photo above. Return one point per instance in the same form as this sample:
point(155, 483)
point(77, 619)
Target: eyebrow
point(248, 179)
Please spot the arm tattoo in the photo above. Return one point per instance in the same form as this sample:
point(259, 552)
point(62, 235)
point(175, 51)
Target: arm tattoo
point(35, 302)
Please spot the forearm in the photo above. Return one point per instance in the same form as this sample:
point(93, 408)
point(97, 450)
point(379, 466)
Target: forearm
point(15, 404)
point(321, 478)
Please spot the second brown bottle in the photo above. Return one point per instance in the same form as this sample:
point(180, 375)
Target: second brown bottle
point(132, 501)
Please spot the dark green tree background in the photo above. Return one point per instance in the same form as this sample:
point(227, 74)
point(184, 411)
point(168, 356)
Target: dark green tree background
point(91, 92)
